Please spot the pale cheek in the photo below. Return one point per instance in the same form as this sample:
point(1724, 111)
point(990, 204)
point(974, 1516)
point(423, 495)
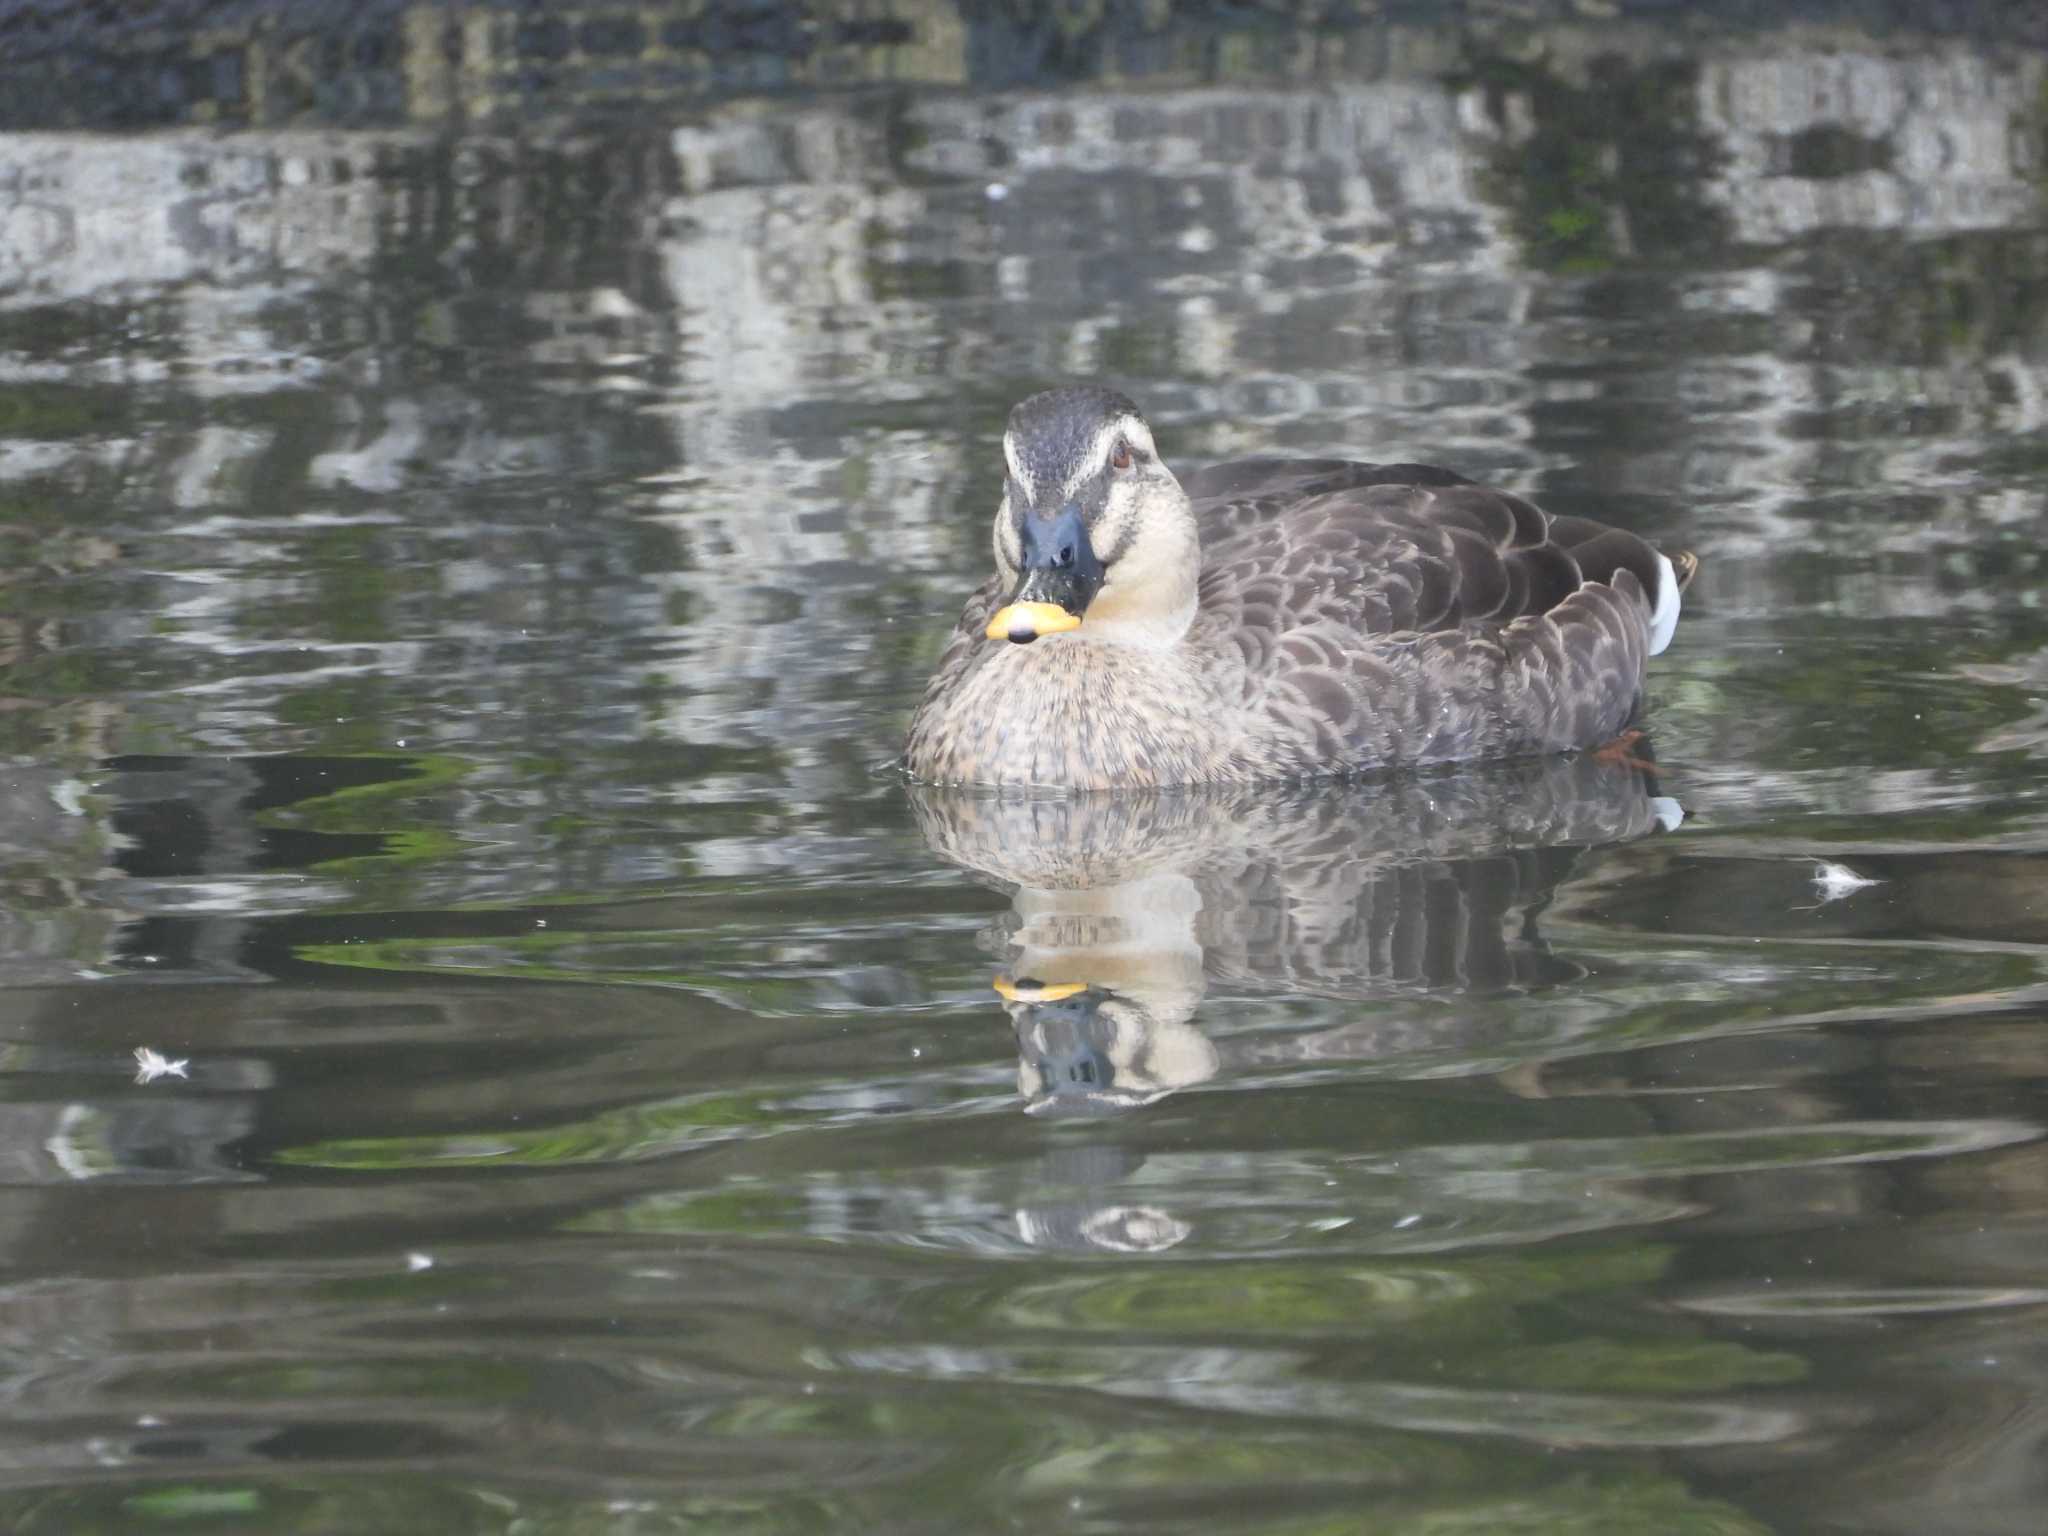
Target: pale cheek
point(1133, 554)
point(1115, 536)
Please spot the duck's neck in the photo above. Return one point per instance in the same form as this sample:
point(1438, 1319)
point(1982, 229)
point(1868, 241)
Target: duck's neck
point(1152, 603)
point(1149, 627)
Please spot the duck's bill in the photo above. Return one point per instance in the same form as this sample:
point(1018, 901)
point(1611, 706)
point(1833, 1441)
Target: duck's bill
point(1021, 623)
point(1048, 600)
point(1027, 990)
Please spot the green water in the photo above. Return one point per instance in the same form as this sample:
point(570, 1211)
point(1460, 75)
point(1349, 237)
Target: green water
point(462, 582)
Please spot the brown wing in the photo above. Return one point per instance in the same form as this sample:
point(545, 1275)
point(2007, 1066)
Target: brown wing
point(1389, 556)
point(1394, 613)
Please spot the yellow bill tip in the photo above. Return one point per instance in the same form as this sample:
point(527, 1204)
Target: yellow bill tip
point(1036, 991)
point(1030, 620)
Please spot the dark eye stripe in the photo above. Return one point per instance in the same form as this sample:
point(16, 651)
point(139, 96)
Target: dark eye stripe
point(1123, 543)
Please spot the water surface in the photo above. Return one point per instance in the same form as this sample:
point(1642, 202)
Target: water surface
point(465, 578)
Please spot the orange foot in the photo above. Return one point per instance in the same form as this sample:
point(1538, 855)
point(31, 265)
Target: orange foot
point(1621, 752)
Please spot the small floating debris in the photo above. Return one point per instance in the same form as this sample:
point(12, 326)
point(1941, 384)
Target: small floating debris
point(1833, 882)
point(415, 1262)
point(151, 1065)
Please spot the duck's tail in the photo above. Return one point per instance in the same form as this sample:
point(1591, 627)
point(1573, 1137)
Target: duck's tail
point(1676, 575)
point(1600, 551)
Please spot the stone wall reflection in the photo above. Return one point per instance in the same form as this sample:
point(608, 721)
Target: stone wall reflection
point(681, 431)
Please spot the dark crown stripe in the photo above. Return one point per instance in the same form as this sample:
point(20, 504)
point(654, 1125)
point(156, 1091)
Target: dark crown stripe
point(1052, 431)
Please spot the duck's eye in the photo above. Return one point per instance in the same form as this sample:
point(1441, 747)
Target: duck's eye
point(1120, 460)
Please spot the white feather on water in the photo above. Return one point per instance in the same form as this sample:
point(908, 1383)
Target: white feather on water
point(1833, 882)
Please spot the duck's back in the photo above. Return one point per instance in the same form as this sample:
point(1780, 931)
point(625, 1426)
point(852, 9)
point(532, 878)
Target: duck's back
point(1402, 547)
point(1365, 614)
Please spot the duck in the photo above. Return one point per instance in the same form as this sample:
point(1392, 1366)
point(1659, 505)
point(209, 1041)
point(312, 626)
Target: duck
point(1275, 619)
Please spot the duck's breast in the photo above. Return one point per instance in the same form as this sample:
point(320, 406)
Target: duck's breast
point(1071, 713)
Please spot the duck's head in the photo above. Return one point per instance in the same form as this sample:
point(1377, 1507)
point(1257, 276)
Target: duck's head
point(1086, 1049)
point(1094, 530)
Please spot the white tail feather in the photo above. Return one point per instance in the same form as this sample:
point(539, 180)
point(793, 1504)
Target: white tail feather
point(1664, 616)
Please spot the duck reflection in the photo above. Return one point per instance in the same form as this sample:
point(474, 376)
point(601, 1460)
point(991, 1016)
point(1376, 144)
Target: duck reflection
point(1126, 909)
